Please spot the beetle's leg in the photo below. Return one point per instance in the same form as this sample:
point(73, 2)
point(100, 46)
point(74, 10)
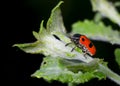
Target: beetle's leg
point(73, 49)
point(68, 43)
point(84, 54)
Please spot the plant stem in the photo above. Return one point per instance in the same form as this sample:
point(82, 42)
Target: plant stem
point(110, 74)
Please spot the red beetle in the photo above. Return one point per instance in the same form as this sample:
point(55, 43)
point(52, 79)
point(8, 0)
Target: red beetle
point(83, 43)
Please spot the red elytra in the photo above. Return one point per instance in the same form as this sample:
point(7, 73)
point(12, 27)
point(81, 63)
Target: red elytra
point(90, 48)
point(83, 43)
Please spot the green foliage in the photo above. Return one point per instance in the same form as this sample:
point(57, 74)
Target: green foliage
point(60, 63)
point(57, 70)
point(106, 9)
point(47, 44)
point(117, 55)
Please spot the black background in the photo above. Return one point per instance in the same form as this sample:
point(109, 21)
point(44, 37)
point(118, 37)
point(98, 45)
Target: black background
point(23, 17)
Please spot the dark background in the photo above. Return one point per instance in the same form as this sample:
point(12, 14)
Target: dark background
point(23, 17)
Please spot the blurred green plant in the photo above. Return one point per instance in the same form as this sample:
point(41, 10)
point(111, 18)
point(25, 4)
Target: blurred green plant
point(106, 9)
point(117, 55)
point(60, 63)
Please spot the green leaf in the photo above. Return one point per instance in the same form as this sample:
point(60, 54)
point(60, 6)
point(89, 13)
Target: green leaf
point(33, 48)
point(75, 65)
point(96, 31)
point(48, 45)
point(55, 22)
point(117, 3)
point(117, 55)
point(53, 69)
point(106, 9)
point(55, 50)
point(36, 35)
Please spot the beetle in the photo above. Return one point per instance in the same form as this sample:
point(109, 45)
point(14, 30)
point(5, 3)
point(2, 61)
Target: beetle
point(84, 43)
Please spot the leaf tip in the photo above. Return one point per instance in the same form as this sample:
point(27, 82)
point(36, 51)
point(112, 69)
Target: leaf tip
point(14, 45)
point(41, 26)
point(58, 5)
